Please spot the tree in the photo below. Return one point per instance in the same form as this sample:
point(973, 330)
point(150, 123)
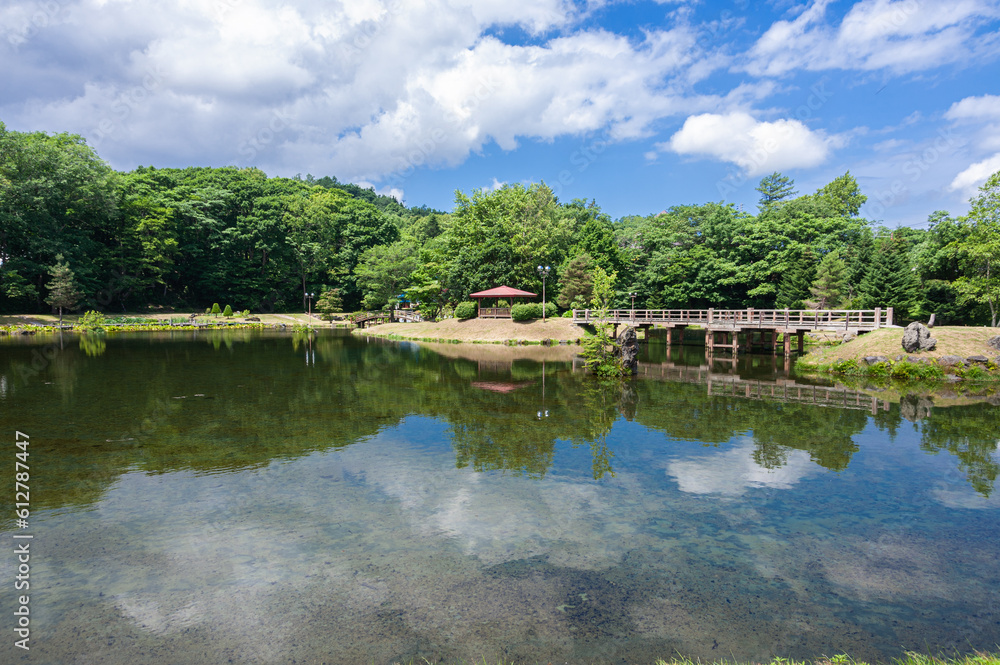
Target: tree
point(228, 312)
point(794, 288)
point(216, 310)
point(600, 350)
point(844, 195)
point(577, 283)
point(329, 302)
point(980, 250)
point(773, 189)
point(890, 280)
point(831, 276)
point(63, 291)
point(383, 270)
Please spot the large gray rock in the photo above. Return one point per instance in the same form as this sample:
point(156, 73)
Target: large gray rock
point(917, 338)
point(628, 349)
point(994, 342)
point(874, 360)
point(982, 360)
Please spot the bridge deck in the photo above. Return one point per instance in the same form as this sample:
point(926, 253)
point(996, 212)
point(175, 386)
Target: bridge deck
point(784, 320)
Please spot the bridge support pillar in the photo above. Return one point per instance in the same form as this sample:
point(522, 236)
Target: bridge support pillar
point(802, 339)
point(787, 339)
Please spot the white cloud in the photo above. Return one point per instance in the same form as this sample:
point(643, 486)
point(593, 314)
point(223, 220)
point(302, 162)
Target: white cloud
point(755, 146)
point(969, 180)
point(732, 472)
point(897, 35)
point(985, 107)
point(360, 89)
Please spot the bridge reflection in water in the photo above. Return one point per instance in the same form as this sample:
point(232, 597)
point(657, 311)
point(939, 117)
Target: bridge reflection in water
point(780, 390)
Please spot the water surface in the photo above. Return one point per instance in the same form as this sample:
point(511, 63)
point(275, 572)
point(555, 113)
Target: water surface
point(201, 497)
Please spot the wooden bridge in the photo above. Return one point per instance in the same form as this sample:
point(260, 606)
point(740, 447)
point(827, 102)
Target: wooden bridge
point(781, 390)
point(374, 318)
point(759, 327)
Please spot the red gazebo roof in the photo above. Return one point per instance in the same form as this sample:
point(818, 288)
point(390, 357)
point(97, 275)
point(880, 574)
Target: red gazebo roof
point(503, 292)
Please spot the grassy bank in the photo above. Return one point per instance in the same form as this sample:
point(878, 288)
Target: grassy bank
point(880, 354)
point(19, 324)
point(481, 331)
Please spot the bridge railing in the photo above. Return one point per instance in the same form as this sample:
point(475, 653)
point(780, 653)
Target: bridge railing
point(868, 319)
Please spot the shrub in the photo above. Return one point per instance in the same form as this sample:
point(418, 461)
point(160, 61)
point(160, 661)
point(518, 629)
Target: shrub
point(216, 309)
point(849, 366)
point(568, 314)
point(532, 310)
point(525, 311)
point(906, 370)
point(465, 310)
point(973, 373)
point(228, 312)
point(92, 321)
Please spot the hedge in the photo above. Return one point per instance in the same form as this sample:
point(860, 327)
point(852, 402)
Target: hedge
point(532, 310)
point(465, 310)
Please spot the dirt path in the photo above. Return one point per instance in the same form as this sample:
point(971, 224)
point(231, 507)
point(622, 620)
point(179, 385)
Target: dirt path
point(482, 330)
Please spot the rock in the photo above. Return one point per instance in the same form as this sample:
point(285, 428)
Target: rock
point(915, 407)
point(252, 318)
point(849, 336)
point(628, 349)
point(994, 342)
point(982, 360)
point(900, 357)
point(874, 360)
point(951, 378)
point(916, 337)
point(950, 361)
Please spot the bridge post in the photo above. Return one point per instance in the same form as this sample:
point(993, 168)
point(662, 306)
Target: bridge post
point(802, 337)
point(888, 318)
point(878, 318)
point(710, 310)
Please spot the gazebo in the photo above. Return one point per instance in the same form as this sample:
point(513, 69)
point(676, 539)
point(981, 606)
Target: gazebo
point(499, 292)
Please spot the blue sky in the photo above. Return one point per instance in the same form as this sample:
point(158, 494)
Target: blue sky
point(639, 105)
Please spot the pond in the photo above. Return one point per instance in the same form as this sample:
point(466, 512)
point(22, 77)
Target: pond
point(212, 497)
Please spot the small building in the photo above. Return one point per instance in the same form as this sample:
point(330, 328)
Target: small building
point(499, 292)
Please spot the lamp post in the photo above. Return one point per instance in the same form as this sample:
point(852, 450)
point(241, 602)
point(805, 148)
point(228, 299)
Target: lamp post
point(309, 296)
point(544, 272)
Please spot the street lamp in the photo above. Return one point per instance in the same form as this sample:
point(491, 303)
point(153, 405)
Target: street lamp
point(544, 272)
point(310, 297)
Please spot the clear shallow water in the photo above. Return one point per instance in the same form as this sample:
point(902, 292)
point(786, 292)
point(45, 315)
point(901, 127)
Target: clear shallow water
point(197, 499)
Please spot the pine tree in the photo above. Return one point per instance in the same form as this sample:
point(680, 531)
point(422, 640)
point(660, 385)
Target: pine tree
point(577, 282)
point(216, 310)
point(63, 291)
point(890, 281)
point(775, 188)
point(794, 287)
point(831, 277)
point(330, 302)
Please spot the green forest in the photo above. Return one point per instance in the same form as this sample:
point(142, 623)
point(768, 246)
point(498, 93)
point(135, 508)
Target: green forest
point(75, 231)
